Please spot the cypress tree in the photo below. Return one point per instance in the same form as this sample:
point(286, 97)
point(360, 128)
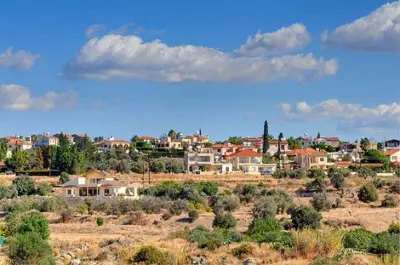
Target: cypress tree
point(265, 138)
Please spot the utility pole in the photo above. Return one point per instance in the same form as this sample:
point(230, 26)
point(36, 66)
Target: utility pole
point(148, 161)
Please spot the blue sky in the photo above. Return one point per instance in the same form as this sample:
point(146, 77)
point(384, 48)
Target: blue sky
point(65, 74)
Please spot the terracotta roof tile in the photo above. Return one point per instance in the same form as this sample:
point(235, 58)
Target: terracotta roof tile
point(246, 153)
point(390, 152)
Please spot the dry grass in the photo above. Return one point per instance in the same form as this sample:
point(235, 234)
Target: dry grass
point(311, 243)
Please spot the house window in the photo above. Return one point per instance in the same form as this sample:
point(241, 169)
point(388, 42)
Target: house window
point(321, 159)
point(106, 191)
point(394, 158)
point(69, 192)
point(283, 147)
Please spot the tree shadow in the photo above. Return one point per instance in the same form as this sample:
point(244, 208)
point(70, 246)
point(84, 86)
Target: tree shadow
point(184, 220)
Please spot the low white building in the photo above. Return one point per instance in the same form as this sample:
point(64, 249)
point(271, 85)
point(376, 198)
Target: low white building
point(46, 139)
point(98, 183)
point(112, 143)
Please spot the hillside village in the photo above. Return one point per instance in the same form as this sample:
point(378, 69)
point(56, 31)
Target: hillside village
point(198, 154)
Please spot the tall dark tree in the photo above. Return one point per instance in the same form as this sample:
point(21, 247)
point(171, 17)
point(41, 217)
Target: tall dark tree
point(279, 145)
point(98, 139)
point(265, 138)
point(200, 131)
point(3, 150)
point(318, 135)
point(172, 134)
point(39, 163)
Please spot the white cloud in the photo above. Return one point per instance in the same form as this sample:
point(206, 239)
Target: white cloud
point(18, 60)
point(17, 97)
point(378, 31)
point(284, 40)
point(349, 116)
point(116, 56)
point(95, 30)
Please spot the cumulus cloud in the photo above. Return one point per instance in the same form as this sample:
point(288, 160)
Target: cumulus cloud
point(17, 60)
point(116, 56)
point(378, 31)
point(349, 116)
point(17, 97)
point(95, 30)
point(284, 40)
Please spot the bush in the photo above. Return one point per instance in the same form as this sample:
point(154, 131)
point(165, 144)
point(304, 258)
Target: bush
point(385, 243)
point(226, 203)
point(67, 216)
point(246, 192)
point(137, 218)
point(151, 255)
point(177, 207)
point(315, 173)
point(21, 223)
point(100, 221)
point(64, 177)
point(25, 185)
point(29, 248)
point(229, 236)
point(365, 172)
point(157, 166)
point(193, 215)
point(333, 170)
point(394, 228)
point(368, 193)
point(166, 216)
point(378, 183)
point(324, 261)
point(395, 187)
point(224, 221)
point(151, 205)
point(282, 200)
point(209, 188)
point(205, 238)
point(264, 208)
point(8, 192)
point(317, 185)
point(53, 204)
point(305, 217)
point(242, 251)
point(320, 202)
point(44, 189)
point(258, 229)
point(81, 208)
point(338, 180)
point(389, 202)
point(358, 239)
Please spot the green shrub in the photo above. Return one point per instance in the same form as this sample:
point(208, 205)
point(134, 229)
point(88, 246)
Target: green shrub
point(258, 228)
point(100, 221)
point(81, 208)
point(151, 255)
point(378, 183)
point(365, 172)
point(226, 203)
point(317, 185)
point(324, 261)
point(385, 243)
point(333, 170)
point(29, 248)
point(224, 221)
point(368, 193)
point(358, 239)
point(246, 192)
point(64, 177)
point(394, 228)
point(166, 216)
point(53, 204)
point(282, 200)
point(264, 208)
point(242, 251)
point(338, 180)
point(210, 188)
point(44, 189)
point(278, 239)
point(193, 215)
point(395, 187)
point(390, 201)
point(320, 202)
point(229, 236)
point(21, 223)
point(136, 218)
point(8, 192)
point(305, 217)
point(25, 185)
point(204, 238)
point(316, 173)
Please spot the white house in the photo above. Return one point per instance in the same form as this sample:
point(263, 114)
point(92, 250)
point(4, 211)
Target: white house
point(46, 139)
point(274, 146)
point(98, 183)
point(250, 162)
point(112, 143)
point(393, 155)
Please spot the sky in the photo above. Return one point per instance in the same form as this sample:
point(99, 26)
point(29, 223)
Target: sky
point(125, 68)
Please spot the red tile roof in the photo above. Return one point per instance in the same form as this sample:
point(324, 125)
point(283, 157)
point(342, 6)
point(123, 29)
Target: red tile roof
point(217, 146)
point(390, 152)
point(2, 164)
point(246, 153)
point(146, 138)
point(275, 141)
point(18, 142)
